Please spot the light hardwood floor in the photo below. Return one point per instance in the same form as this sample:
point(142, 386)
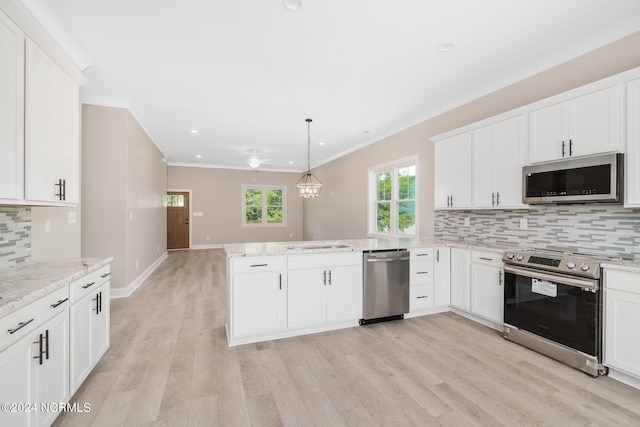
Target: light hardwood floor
point(169, 365)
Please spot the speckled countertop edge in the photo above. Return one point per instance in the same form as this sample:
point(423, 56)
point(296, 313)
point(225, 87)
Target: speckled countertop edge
point(356, 245)
point(25, 283)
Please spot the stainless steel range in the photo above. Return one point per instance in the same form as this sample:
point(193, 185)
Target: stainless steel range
point(553, 305)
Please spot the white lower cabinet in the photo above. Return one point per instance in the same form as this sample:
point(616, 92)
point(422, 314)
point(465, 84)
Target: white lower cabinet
point(34, 371)
point(324, 289)
point(487, 290)
point(429, 278)
point(621, 320)
point(460, 281)
point(89, 332)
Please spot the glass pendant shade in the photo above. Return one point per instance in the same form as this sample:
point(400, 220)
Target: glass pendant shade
point(309, 186)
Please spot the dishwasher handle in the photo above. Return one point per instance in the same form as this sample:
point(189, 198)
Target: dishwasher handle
point(388, 259)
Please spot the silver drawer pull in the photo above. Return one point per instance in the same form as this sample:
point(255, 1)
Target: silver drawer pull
point(259, 265)
point(427, 254)
point(422, 272)
point(88, 285)
point(20, 326)
point(60, 301)
point(486, 259)
point(424, 296)
point(105, 275)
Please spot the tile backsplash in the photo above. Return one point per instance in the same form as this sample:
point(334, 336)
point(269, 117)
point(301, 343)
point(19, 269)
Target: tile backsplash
point(595, 229)
point(15, 235)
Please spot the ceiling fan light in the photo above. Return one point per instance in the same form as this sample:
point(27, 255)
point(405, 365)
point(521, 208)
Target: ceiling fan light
point(292, 4)
point(254, 162)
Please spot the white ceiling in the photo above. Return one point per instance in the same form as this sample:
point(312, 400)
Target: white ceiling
point(247, 73)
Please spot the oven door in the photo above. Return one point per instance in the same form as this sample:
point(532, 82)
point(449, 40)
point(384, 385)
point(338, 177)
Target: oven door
point(563, 309)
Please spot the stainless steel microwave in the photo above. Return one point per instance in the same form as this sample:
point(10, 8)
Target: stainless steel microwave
point(590, 179)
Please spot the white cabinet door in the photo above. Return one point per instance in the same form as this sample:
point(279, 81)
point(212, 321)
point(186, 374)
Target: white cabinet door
point(306, 302)
point(498, 158)
point(258, 303)
point(442, 277)
point(622, 341)
point(460, 278)
point(51, 373)
point(594, 122)
point(89, 333)
point(586, 125)
point(487, 293)
point(16, 369)
point(632, 157)
point(344, 294)
point(11, 110)
point(509, 160)
point(52, 131)
point(453, 172)
point(318, 296)
point(547, 132)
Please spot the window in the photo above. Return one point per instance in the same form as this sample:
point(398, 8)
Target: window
point(392, 203)
point(264, 206)
point(175, 200)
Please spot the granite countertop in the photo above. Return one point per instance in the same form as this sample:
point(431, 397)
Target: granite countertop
point(355, 245)
point(25, 283)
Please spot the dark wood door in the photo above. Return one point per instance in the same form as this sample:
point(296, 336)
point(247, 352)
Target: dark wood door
point(177, 220)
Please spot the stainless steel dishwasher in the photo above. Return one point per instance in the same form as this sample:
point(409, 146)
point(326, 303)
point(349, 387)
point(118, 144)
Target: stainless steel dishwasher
point(386, 285)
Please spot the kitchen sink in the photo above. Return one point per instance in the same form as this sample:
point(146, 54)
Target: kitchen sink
point(313, 246)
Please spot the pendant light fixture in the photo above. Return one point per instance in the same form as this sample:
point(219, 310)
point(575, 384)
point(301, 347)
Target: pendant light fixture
point(309, 186)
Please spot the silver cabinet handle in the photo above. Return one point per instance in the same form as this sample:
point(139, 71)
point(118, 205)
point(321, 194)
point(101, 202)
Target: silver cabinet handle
point(329, 277)
point(105, 275)
point(259, 265)
point(324, 281)
point(61, 301)
point(497, 199)
point(437, 255)
point(423, 296)
point(493, 199)
point(20, 326)
point(486, 259)
point(280, 281)
point(88, 285)
point(500, 278)
point(422, 272)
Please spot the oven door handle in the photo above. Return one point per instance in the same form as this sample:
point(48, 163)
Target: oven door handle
point(565, 280)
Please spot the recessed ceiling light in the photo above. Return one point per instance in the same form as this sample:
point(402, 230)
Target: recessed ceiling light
point(446, 47)
point(291, 162)
point(321, 143)
point(194, 131)
point(292, 4)
point(198, 156)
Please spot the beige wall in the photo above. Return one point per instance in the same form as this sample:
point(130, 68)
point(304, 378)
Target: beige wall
point(343, 214)
point(124, 183)
point(217, 193)
point(63, 242)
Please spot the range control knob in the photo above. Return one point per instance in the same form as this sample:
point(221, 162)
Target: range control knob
point(520, 257)
point(571, 265)
point(584, 267)
point(510, 255)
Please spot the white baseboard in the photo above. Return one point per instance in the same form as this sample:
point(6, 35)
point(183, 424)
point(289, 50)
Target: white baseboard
point(135, 284)
point(207, 246)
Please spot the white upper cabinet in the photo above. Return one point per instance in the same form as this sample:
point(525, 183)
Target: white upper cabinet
point(498, 158)
point(52, 131)
point(588, 124)
point(11, 110)
point(632, 159)
point(453, 172)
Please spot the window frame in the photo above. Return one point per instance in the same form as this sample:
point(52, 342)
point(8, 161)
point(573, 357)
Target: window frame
point(264, 189)
point(372, 202)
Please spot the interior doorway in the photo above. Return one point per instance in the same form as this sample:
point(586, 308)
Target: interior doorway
point(178, 212)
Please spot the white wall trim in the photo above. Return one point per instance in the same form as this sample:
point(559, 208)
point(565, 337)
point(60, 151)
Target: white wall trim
point(213, 246)
point(138, 281)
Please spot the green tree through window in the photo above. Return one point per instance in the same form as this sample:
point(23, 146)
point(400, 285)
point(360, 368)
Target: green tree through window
point(394, 193)
point(264, 205)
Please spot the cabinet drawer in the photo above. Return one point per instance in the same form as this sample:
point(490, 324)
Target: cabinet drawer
point(421, 297)
point(622, 280)
point(491, 258)
point(324, 260)
point(27, 318)
point(87, 284)
point(421, 254)
point(257, 264)
point(420, 273)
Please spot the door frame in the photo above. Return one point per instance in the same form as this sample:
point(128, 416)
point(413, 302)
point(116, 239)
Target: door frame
point(170, 190)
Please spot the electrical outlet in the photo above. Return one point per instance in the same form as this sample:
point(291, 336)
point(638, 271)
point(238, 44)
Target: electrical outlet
point(467, 221)
point(523, 224)
point(207, 237)
point(47, 226)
